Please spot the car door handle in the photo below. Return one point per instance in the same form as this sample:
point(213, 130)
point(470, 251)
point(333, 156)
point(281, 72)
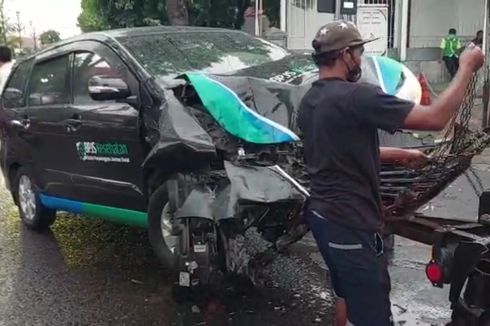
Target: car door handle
point(73, 123)
point(20, 124)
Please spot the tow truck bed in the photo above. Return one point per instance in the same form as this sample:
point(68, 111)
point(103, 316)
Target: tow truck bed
point(425, 229)
point(460, 259)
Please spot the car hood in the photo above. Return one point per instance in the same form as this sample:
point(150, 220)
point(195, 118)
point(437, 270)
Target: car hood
point(294, 70)
point(259, 105)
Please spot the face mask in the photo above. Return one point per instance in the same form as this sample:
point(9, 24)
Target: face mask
point(355, 72)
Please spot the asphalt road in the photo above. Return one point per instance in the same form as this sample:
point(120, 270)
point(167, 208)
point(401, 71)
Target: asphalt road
point(87, 272)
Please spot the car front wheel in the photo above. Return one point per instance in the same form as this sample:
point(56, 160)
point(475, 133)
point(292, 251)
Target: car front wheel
point(163, 238)
point(34, 215)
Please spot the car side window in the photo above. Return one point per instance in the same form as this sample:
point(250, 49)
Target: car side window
point(87, 65)
point(48, 84)
point(13, 95)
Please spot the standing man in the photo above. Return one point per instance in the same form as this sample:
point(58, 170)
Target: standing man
point(6, 64)
point(339, 120)
point(249, 17)
point(478, 40)
point(450, 46)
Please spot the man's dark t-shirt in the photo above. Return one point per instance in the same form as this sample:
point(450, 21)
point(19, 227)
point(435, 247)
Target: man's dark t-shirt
point(339, 121)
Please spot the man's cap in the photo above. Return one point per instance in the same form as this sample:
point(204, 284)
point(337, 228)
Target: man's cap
point(338, 35)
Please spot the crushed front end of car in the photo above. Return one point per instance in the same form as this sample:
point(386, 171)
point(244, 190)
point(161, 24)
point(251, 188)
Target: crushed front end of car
point(225, 148)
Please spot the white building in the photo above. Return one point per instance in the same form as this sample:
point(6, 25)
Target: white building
point(415, 27)
point(428, 20)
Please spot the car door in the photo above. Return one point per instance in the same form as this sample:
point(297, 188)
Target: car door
point(45, 119)
point(109, 150)
point(15, 147)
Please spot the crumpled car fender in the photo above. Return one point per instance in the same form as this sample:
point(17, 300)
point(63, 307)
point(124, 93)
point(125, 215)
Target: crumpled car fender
point(183, 145)
point(246, 185)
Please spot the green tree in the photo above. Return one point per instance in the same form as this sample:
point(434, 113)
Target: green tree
point(49, 37)
point(109, 14)
point(3, 24)
point(92, 18)
point(177, 12)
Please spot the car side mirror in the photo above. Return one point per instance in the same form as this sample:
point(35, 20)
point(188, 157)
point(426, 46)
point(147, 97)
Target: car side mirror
point(12, 94)
point(104, 88)
point(12, 97)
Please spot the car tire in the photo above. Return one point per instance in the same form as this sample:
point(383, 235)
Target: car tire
point(156, 210)
point(32, 213)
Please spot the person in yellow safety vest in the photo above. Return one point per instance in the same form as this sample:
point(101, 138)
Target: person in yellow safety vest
point(450, 48)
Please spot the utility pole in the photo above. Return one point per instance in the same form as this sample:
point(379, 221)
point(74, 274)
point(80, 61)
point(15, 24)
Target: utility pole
point(404, 31)
point(258, 17)
point(34, 36)
point(338, 5)
point(19, 29)
point(283, 15)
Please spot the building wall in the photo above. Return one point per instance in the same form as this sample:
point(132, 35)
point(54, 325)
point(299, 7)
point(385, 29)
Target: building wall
point(303, 21)
point(431, 20)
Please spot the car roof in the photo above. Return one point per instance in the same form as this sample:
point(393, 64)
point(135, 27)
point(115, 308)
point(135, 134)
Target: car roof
point(138, 31)
point(110, 36)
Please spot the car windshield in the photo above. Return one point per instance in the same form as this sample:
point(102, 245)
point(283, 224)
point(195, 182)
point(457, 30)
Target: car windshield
point(169, 54)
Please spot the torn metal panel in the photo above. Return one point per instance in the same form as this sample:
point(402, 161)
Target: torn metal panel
point(183, 145)
point(244, 185)
point(199, 203)
point(257, 184)
point(254, 110)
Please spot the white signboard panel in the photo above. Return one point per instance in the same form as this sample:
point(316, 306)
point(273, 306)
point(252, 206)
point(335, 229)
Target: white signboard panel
point(372, 21)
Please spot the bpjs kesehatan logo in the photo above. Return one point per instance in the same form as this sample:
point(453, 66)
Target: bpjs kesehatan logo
point(103, 152)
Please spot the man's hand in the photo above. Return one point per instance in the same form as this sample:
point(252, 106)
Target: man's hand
point(410, 158)
point(437, 115)
point(413, 159)
point(472, 58)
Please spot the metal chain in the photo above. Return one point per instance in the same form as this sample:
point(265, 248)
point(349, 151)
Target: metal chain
point(456, 150)
point(456, 146)
point(465, 116)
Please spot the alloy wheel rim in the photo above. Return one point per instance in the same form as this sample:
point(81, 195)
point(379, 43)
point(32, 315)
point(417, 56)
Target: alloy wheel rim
point(27, 198)
point(166, 225)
